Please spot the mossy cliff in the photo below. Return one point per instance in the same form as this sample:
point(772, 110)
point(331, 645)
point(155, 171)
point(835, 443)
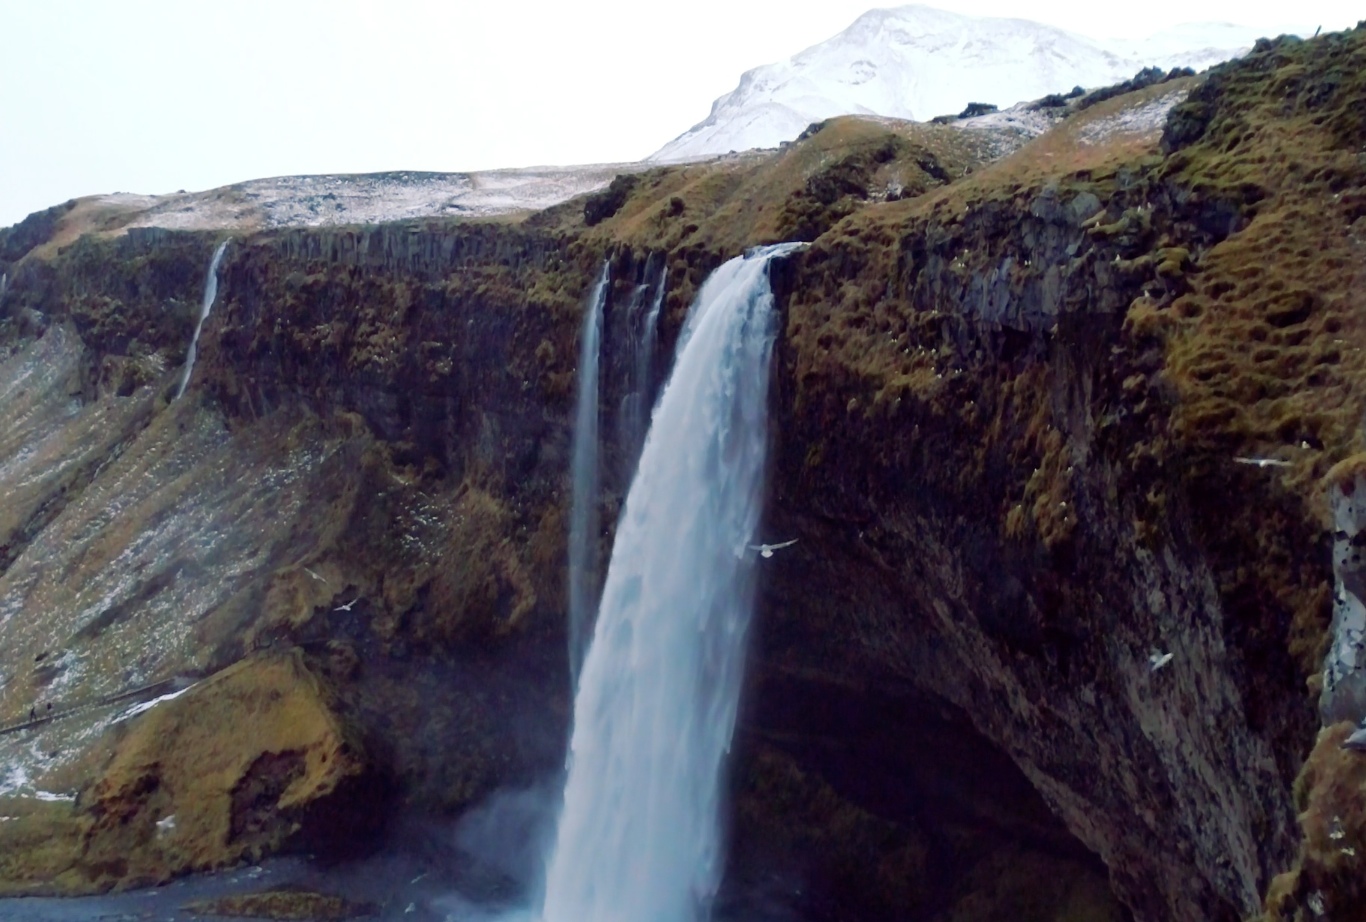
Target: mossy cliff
point(1022, 414)
point(234, 768)
point(1053, 426)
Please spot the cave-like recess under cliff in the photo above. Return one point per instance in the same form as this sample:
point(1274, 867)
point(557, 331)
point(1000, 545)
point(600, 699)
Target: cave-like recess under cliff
point(1050, 642)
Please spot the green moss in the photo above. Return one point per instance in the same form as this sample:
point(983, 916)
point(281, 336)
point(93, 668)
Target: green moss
point(284, 905)
point(482, 586)
point(726, 205)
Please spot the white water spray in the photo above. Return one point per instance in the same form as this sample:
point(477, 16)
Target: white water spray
point(638, 839)
point(584, 519)
point(210, 293)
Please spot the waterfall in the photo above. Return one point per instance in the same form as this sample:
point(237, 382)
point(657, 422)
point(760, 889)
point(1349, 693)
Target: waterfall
point(210, 293)
point(584, 524)
point(643, 326)
point(4, 285)
point(629, 329)
point(638, 837)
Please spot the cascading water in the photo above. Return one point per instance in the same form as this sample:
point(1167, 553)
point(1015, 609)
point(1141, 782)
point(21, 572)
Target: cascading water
point(584, 521)
point(646, 356)
point(210, 293)
point(638, 838)
point(643, 320)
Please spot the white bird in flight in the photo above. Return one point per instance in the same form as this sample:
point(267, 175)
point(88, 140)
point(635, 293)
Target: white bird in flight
point(1159, 659)
point(766, 550)
point(347, 606)
point(314, 575)
point(1263, 462)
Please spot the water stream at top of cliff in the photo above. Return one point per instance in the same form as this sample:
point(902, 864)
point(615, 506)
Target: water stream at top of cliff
point(210, 294)
point(638, 838)
point(584, 522)
point(642, 335)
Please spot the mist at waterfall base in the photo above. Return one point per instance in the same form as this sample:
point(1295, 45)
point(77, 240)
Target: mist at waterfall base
point(637, 833)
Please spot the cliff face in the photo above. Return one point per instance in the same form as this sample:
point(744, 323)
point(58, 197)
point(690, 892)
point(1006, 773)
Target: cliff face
point(399, 530)
point(1028, 434)
point(1052, 431)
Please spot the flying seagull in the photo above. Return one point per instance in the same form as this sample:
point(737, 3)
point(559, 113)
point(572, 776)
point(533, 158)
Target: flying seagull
point(766, 550)
point(1263, 462)
point(347, 606)
point(1159, 660)
point(314, 575)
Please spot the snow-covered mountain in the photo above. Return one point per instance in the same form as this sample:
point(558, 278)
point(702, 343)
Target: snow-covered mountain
point(917, 62)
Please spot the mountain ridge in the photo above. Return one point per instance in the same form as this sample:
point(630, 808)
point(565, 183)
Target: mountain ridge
point(917, 62)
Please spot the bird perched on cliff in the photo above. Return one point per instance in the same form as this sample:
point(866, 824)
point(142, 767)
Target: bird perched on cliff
point(1158, 659)
point(1263, 462)
point(766, 550)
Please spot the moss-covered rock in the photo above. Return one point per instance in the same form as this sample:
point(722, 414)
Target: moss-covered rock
point(243, 764)
point(1326, 881)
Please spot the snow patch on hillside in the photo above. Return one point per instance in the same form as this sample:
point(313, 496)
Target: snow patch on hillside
point(1146, 119)
point(365, 198)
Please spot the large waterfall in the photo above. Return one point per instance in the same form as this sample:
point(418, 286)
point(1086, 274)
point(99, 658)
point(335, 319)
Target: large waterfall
point(638, 837)
point(210, 293)
point(584, 523)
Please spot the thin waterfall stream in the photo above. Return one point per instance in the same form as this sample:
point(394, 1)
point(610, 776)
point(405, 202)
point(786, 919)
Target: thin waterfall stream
point(638, 838)
point(584, 517)
point(642, 327)
point(210, 295)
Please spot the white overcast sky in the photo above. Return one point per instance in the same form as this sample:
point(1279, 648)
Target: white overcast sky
point(155, 96)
